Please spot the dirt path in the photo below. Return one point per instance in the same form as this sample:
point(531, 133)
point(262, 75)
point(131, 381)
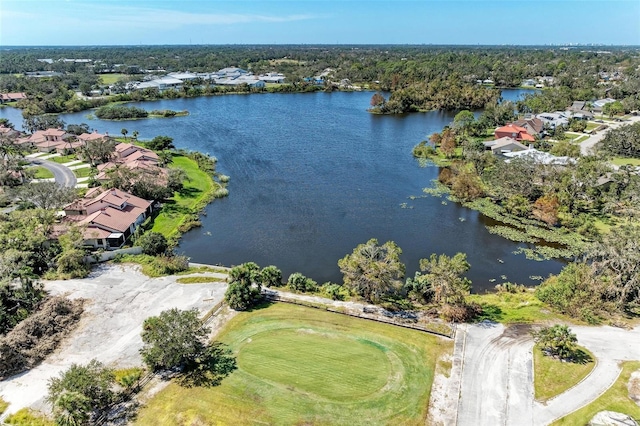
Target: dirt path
point(119, 298)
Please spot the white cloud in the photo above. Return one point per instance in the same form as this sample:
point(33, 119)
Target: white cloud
point(162, 18)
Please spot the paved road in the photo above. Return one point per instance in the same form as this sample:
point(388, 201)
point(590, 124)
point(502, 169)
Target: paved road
point(63, 175)
point(586, 147)
point(497, 374)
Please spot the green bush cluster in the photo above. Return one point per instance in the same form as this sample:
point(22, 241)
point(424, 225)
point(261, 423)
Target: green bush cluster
point(120, 112)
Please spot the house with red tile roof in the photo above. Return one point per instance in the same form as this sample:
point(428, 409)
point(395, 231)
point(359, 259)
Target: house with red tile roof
point(46, 140)
point(534, 126)
point(8, 132)
point(10, 97)
point(515, 132)
point(88, 137)
point(108, 217)
point(126, 152)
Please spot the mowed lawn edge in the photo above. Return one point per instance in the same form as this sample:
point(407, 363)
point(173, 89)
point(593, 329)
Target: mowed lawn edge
point(198, 191)
point(616, 398)
point(247, 397)
point(551, 376)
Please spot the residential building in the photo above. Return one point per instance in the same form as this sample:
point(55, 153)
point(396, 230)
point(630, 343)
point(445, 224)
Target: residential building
point(11, 97)
point(515, 132)
point(534, 126)
point(539, 157)
point(554, 119)
point(272, 77)
point(580, 110)
point(504, 145)
point(600, 103)
point(109, 217)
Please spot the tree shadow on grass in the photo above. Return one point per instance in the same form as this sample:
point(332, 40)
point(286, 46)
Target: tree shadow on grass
point(263, 304)
point(580, 357)
point(490, 313)
point(189, 192)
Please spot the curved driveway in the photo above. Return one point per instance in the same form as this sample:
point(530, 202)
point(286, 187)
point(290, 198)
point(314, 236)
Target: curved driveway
point(63, 175)
point(497, 373)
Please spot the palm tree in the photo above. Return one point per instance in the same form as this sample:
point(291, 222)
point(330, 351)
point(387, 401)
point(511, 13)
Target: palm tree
point(124, 133)
point(135, 134)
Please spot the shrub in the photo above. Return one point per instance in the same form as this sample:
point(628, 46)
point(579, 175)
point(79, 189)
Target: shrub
point(169, 265)
point(577, 291)
point(128, 378)
point(119, 112)
point(28, 417)
point(423, 150)
point(152, 243)
point(80, 392)
point(271, 276)
point(335, 291)
point(461, 312)
point(244, 289)
point(510, 287)
point(557, 341)
point(299, 282)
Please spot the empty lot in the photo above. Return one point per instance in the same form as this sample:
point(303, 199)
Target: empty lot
point(119, 298)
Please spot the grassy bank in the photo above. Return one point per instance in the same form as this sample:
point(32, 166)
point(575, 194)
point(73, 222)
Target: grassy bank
point(198, 191)
point(616, 398)
point(298, 365)
point(551, 376)
point(514, 308)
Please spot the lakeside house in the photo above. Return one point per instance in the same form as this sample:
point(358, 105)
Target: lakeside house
point(504, 145)
point(8, 132)
point(515, 132)
point(231, 76)
point(12, 97)
point(133, 158)
point(533, 126)
point(108, 217)
point(58, 140)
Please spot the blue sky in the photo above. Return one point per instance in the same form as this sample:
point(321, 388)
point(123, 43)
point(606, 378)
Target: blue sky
point(132, 22)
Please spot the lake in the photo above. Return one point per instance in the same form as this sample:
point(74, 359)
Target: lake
point(314, 175)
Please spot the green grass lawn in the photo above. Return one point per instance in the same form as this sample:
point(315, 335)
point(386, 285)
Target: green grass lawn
point(111, 78)
point(581, 139)
point(620, 161)
point(3, 405)
point(513, 308)
point(591, 125)
point(41, 172)
point(199, 280)
point(83, 172)
point(551, 377)
point(27, 417)
point(616, 398)
point(64, 158)
point(299, 365)
point(198, 188)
